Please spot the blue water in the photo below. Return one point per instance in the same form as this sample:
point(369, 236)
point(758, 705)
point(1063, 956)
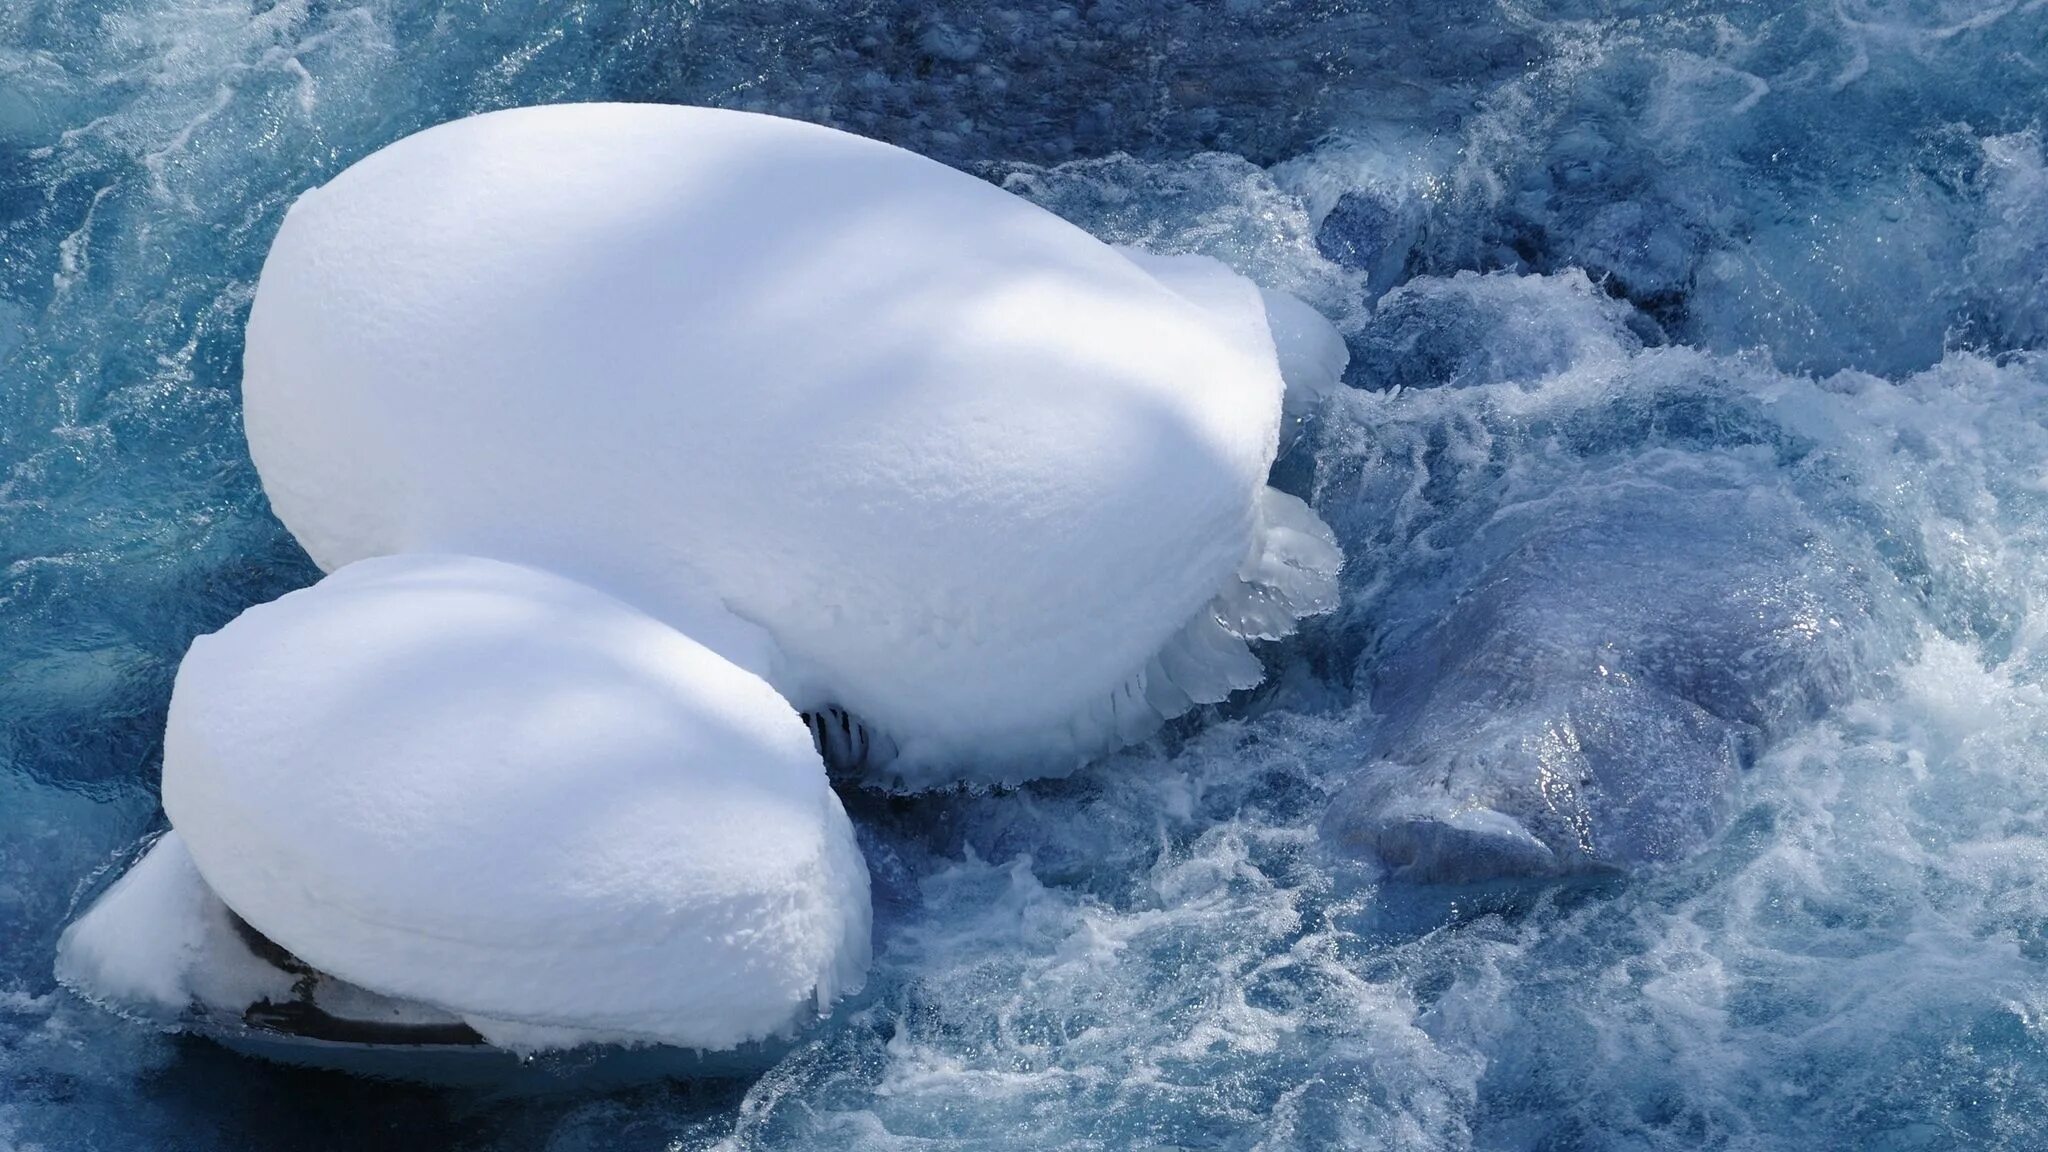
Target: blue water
point(1618, 278)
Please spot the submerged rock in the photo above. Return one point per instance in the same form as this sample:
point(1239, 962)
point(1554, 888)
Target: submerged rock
point(1587, 703)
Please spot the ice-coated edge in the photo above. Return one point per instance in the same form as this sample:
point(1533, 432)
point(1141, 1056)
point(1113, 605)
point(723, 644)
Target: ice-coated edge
point(1312, 353)
point(158, 943)
point(1289, 575)
point(158, 946)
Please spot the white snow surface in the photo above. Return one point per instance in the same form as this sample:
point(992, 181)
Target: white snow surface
point(511, 797)
point(1309, 350)
point(974, 471)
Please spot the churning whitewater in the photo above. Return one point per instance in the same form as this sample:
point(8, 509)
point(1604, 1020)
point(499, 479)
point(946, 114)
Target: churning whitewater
point(1670, 772)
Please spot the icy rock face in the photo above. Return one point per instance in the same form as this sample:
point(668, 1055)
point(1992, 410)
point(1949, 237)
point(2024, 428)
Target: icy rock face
point(1586, 705)
point(976, 473)
point(1636, 578)
point(502, 794)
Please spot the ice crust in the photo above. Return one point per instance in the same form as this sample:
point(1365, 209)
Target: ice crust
point(970, 468)
point(502, 794)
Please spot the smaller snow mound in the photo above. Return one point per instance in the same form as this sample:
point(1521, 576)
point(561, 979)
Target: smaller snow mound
point(508, 796)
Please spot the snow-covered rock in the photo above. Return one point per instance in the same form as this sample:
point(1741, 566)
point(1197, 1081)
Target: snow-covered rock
point(993, 490)
point(498, 793)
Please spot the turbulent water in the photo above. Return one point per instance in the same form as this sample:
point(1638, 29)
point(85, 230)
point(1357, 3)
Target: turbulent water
point(1710, 337)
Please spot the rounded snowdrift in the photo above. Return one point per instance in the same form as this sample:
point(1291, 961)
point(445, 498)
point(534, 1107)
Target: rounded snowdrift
point(497, 793)
point(997, 493)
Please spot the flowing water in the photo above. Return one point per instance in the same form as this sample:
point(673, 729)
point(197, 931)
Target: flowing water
point(1710, 335)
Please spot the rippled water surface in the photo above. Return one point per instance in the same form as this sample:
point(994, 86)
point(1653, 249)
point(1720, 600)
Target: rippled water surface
point(1665, 320)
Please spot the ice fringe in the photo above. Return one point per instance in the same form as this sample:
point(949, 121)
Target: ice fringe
point(1290, 574)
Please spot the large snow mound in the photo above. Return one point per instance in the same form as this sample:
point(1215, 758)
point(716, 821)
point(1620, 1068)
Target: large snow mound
point(509, 796)
point(972, 469)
